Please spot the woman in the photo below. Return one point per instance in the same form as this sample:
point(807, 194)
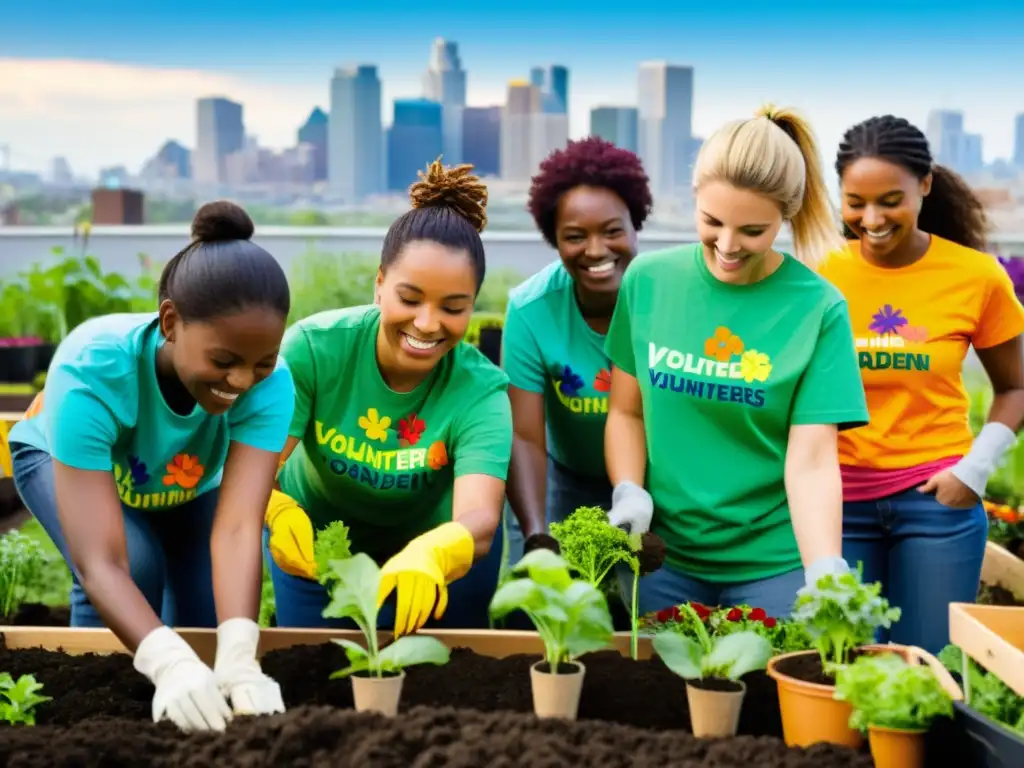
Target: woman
point(733, 372)
point(149, 458)
point(400, 430)
point(921, 292)
point(588, 201)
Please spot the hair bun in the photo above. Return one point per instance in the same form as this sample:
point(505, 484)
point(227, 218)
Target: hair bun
point(221, 220)
point(452, 187)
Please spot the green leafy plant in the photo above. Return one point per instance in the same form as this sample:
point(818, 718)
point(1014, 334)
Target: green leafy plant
point(355, 582)
point(21, 563)
point(841, 613)
point(785, 636)
point(984, 692)
point(19, 698)
point(728, 656)
point(331, 543)
point(887, 692)
point(571, 615)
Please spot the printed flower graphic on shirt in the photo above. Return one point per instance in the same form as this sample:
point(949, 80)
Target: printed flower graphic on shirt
point(755, 366)
point(913, 333)
point(375, 425)
point(887, 320)
point(723, 345)
point(603, 381)
point(140, 475)
point(410, 429)
point(184, 471)
point(571, 383)
point(437, 455)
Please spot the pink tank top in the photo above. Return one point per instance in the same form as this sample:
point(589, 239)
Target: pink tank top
point(867, 483)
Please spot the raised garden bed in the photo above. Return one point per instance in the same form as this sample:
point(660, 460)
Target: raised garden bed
point(1002, 577)
point(631, 712)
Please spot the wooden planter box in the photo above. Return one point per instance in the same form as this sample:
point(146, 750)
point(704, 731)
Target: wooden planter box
point(1002, 568)
point(993, 636)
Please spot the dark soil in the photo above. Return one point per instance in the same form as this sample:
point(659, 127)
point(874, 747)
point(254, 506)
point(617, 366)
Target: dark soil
point(990, 594)
point(715, 684)
point(95, 698)
point(36, 615)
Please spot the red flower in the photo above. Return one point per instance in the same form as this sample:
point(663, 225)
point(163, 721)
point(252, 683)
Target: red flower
point(663, 615)
point(702, 610)
point(410, 429)
point(770, 623)
point(677, 615)
point(757, 614)
point(603, 381)
point(734, 615)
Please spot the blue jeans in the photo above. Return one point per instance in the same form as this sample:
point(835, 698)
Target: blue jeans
point(301, 602)
point(925, 554)
point(168, 551)
point(667, 587)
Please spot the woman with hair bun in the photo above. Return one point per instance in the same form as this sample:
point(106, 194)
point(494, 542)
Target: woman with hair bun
point(149, 458)
point(733, 371)
point(401, 431)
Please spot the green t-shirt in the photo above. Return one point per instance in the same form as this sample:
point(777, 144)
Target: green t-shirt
point(381, 461)
point(549, 349)
point(724, 371)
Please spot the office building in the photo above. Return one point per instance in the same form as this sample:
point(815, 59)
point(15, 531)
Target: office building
point(445, 83)
point(617, 125)
point(665, 126)
point(220, 131)
point(355, 140)
point(415, 139)
point(481, 139)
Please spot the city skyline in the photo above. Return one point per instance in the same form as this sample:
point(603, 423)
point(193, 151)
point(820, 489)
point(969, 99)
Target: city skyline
point(111, 102)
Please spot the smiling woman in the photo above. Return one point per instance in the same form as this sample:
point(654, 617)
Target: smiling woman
point(401, 431)
point(149, 458)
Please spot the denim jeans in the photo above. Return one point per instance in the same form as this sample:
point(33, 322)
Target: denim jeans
point(925, 554)
point(168, 551)
point(300, 602)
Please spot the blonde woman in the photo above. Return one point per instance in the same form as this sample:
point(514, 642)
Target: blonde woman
point(734, 369)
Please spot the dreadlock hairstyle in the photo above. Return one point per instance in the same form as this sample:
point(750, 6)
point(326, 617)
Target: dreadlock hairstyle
point(449, 207)
point(775, 154)
point(951, 210)
point(590, 162)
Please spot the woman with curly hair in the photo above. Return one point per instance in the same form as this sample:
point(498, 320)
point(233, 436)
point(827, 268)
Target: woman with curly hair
point(401, 431)
point(921, 291)
point(589, 200)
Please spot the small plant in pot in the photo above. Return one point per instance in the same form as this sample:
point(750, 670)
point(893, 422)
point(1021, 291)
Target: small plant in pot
point(895, 702)
point(840, 615)
point(377, 673)
point(572, 618)
point(712, 668)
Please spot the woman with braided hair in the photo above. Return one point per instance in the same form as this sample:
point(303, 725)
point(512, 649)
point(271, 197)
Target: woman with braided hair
point(401, 431)
point(921, 291)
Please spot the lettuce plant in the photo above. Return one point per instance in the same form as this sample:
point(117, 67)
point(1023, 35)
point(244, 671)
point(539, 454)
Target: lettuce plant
point(21, 562)
point(728, 656)
point(19, 698)
point(355, 582)
point(331, 543)
point(887, 692)
point(983, 691)
point(571, 615)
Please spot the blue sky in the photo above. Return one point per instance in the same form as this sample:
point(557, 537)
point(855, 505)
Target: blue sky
point(106, 82)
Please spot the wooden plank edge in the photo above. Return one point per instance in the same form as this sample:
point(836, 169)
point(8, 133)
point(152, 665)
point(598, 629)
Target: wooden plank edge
point(1004, 569)
point(988, 647)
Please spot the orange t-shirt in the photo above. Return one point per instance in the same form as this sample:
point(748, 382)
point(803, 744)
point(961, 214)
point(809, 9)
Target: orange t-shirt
point(912, 328)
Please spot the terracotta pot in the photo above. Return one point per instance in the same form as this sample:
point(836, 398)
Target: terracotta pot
point(715, 706)
point(557, 695)
point(378, 694)
point(896, 748)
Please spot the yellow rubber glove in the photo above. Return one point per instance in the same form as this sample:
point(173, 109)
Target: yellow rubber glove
point(291, 536)
point(421, 573)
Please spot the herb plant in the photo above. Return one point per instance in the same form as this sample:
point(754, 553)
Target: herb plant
point(332, 543)
point(984, 692)
point(887, 692)
point(19, 698)
point(571, 615)
point(355, 582)
point(728, 656)
point(841, 613)
point(21, 563)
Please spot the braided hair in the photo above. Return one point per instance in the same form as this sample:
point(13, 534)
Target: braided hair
point(449, 207)
point(951, 210)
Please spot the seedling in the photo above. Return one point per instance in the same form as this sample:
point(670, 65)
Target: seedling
point(724, 657)
point(21, 562)
point(571, 615)
point(355, 582)
point(887, 692)
point(841, 613)
point(332, 543)
point(19, 698)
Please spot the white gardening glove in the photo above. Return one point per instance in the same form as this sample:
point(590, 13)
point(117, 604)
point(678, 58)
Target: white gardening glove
point(824, 566)
point(632, 508)
point(239, 675)
point(186, 690)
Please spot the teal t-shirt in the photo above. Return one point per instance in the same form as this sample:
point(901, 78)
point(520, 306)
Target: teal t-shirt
point(102, 410)
point(381, 461)
point(725, 371)
point(549, 349)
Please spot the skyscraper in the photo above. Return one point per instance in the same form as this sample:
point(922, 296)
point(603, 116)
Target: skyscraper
point(355, 142)
point(445, 83)
point(516, 121)
point(415, 139)
point(314, 133)
point(665, 126)
point(481, 139)
point(220, 131)
point(615, 124)
point(553, 84)
point(1018, 142)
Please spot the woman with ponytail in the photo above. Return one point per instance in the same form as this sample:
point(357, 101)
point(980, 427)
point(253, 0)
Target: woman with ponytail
point(149, 458)
point(733, 372)
point(921, 291)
